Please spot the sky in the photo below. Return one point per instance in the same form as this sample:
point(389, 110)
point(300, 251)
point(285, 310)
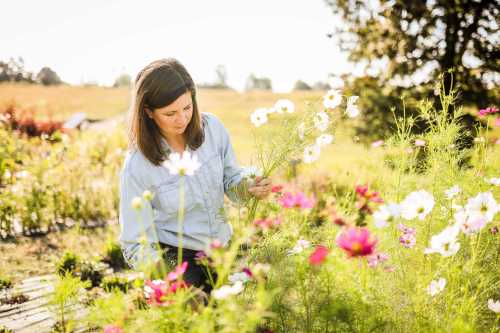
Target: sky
point(96, 41)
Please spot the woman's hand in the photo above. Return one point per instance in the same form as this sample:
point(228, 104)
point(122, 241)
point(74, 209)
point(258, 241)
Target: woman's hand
point(261, 188)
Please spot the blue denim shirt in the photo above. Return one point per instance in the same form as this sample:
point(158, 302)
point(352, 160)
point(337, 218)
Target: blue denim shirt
point(204, 198)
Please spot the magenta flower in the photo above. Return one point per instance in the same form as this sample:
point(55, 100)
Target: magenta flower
point(276, 188)
point(177, 285)
point(179, 270)
point(357, 242)
point(112, 329)
point(489, 110)
point(155, 291)
point(267, 223)
point(299, 200)
point(319, 255)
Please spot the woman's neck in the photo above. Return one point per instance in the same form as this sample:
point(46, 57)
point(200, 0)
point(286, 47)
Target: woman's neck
point(177, 143)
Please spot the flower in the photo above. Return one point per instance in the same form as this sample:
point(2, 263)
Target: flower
point(225, 291)
point(299, 200)
point(318, 256)
point(436, 286)
point(259, 117)
point(352, 110)
point(185, 164)
point(284, 105)
point(408, 240)
point(357, 242)
point(276, 188)
point(376, 258)
point(324, 139)
point(489, 110)
point(216, 244)
point(267, 223)
point(155, 291)
point(496, 123)
point(137, 203)
point(301, 245)
point(469, 223)
point(419, 143)
point(417, 204)
point(483, 205)
point(445, 243)
point(179, 270)
point(112, 329)
point(452, 191)
point(385, 214)
point(311, 153)
point(494, 305)
point(493, 181)
point(240, 276)
point(332, 99)
point(250, 173)
point(147, 195)
point(321, 121)
point(377, 143)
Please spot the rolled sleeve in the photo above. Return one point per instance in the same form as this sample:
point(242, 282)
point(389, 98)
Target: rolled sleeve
point(136, 224)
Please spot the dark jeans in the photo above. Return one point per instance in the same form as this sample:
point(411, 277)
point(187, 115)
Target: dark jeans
point(196, 274)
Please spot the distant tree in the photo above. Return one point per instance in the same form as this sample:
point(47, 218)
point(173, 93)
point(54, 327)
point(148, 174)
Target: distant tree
point(321, 86)
point(48, 77)
point(259, 83)
point(13, 70)
point(419, 36)
point(301, 85)
point(124, 80)
point(221, 73)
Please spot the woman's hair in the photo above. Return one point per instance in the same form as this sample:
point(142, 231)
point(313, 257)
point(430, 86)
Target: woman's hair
point(159, 84)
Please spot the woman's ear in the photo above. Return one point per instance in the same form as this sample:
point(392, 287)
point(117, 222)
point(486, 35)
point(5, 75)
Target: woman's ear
point(148, 112)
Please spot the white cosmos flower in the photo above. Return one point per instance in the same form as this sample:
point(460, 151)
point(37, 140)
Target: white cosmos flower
point(332, 99)
point(324, 139)
point(183, 165)
point(484, 205)
point(445, 243)
point(494, 305)
point(301, 129)
point(352, 109)
point(284, 105)
point(321, 121)
point(259, 117)
point(493, 181)
point(311, 153)
point(225, 291)
point(241, 276)
point(417, 204)
point(469, 223)
point(452, 191)
point(251, 172)
point(301, 245)
point(436, 286)
point(385, 214)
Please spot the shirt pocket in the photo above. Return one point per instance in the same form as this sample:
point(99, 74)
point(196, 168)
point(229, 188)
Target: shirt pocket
point(169, 197)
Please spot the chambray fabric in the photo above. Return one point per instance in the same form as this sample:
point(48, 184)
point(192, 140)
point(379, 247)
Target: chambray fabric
point(204, 192)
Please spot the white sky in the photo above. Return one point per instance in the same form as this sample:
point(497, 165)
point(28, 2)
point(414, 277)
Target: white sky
point(94, 40)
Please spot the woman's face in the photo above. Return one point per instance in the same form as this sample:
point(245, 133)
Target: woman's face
point(173, 119)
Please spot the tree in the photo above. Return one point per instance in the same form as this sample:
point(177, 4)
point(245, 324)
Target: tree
point(124, 80)
point(301, 85)
point(48, 77)
point(13, 70)
point(410, 38)
point(260, 83)
point(221, 73)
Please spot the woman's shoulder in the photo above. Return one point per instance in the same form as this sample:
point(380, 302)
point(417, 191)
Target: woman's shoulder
point(211, 119)
point(135, 163)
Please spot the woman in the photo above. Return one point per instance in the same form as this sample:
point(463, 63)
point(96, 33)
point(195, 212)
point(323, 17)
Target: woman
point(166, 119)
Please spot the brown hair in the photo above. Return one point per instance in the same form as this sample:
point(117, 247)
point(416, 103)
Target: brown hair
point(157, 85)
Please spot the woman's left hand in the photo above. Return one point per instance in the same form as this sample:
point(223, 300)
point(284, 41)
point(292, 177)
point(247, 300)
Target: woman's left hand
point(261, 188)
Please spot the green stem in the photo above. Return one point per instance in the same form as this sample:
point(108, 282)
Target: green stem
point(180, 221)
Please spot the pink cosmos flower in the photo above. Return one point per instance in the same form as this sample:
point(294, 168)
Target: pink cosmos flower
point(155, 291)
point(377, 143)
point(319, 255)
point(299, 200)
point(407, 240)
point(177, 285)
point(496, 123)
point(267, 223)
point(247, 271)
point(276, 188)
point(406, 230)
point(179, 270)
point(377, 258)
point(216, 244)
point(489, 110)
point(112, 329)
point(419, 143)
point(357, 242)
point(363, 192)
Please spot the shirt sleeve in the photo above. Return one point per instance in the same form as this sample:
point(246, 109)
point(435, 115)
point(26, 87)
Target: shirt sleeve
point(137, 237)
point(232, 171)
